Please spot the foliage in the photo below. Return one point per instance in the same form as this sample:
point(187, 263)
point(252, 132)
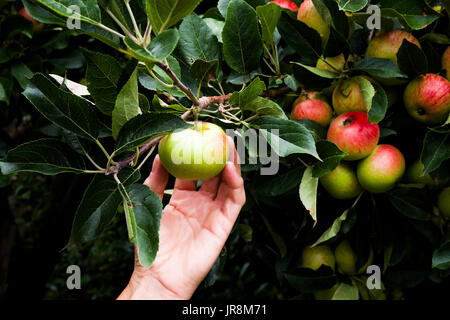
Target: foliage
point(136, 70)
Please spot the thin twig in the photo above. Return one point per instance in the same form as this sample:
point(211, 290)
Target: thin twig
point(133, 19)
point(124, 29)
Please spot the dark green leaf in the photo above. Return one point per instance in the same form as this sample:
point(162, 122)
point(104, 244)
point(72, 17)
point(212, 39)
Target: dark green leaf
point(265, 106)
point(378, 67)
point(411, 203)
point(441, 257)
point(308, 192)
point(269, 15)
point(331, 157)
point(411, 59)
point(306, 280)
point(379, 104)
point(436, 149)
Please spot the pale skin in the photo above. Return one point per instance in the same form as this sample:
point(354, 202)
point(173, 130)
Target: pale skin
point(194, 228)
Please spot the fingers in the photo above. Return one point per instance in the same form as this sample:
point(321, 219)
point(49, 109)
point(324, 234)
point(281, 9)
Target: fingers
point(157, 180)
point(234, 155)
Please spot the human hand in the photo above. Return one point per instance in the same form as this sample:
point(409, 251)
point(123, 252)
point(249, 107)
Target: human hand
point(194, 228)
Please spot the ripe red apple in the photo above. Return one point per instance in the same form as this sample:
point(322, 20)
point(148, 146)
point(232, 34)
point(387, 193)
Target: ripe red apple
point(24, 13)
point(308, 14)
point(446, 62)
point(427, 98)
point(354, 134)
point(386, 45)
point(444, 203)
point(286, 4)
point(347, 96)
point(314, 257)
point(380, 171)
point(312, 106)
point(197, 153)
point(341, 183)
point(332, 64)
point(345, 258)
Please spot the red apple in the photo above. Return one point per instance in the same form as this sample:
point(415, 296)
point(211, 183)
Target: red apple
point(341, 183)
point(446, 62)
point(308, 14)
point(313, 107)
point(24, 13)
point(427, 98)
point(197, 153)
point(347, 96)
point(286, 4)
point(354, 134)
point(380, 171)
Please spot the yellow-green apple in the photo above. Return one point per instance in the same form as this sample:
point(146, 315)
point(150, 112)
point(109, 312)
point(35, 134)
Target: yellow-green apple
point(446, 62)
point(352, 133)
point(414, 174)
point(286, 4)
point(345, 258)
point(427, 98)
point(332, 64)
point(380, 171)
point(196, 153)
point(308, 14)
point(444, 203)
point(314, 257)
point(24, 13)
point(312, 106)
point(386, 45)
point(348, 96)
point(341, 183)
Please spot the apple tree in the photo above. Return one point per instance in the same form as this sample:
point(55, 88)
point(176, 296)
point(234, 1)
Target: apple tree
point(289, 71)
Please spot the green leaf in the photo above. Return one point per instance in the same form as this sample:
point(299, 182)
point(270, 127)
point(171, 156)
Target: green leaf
point(380, 104)
point(147, 212)
point(40, 14)
point(367, 90)
point(45, 156)
point(164, 14)
point(127, 104)
point(331, 157)
point(201, 70)
point(308, 192)
point(99, 205)
point(320, 72)
point(310, 281)
point(216, 27)
point(150, 83)
point(292, 137)
point(249, 93)
point(89, 10)
point(272, 186)
point(378, 67)
point(346, 292)
point(441, 257)
point(159, 49)
point(335, 228)
point(411, 59)
point(242, 45)
point(197, 40)
point(63, 108)
point(353, 5)
point(409, 12)
point(264, 106)
point(304, 40)
point(145, 127)
point(411, 203)
point(103, 73)
point(436, 149)
point(269, 15)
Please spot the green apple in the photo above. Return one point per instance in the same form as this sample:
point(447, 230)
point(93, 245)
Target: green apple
point(345, 258)
point(314, 257)
point(197, 153)
point(308, 14)
point(332, 64)
point(427, 98)
point(414, 174)
point(444, 203)
point(379, 172)
point(341, 183)
point(348, 96)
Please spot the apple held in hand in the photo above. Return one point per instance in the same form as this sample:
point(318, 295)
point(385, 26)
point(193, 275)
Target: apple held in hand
point(308, 14)
point(197, 153)
point(314, 257)
point(341, 183)
point(427, 98)
point(354, 134)
point(380, 171)
point(313, 107)
point(286, 4)
point(347, 96)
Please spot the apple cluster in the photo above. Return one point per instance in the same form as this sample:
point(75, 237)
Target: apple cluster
point(379, 166)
